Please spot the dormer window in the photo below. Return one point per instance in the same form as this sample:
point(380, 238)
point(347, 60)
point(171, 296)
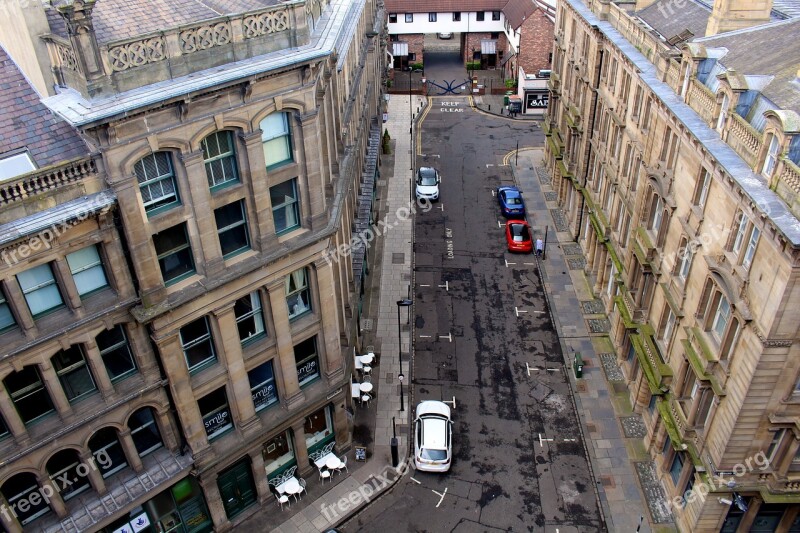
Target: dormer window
point(15, 165)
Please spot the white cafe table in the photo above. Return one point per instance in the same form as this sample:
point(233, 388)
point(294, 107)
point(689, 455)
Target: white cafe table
point(365, 387)
point(333, 463)
point(366, 359)
point(290, 486)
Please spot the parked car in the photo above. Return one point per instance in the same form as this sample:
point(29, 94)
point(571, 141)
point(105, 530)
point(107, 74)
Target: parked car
point(428, 180)
point(518, 236)
point(511, 203)
point(433, 437)
point(446, 35)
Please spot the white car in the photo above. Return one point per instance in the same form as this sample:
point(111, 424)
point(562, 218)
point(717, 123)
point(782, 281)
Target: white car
point(428, 183)
point(433, 437)
point(445, 35)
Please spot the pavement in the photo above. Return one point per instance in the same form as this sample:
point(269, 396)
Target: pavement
point(612, 432)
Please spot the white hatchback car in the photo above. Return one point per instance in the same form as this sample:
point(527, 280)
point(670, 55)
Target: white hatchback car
point(433, 437)
point(427, 181)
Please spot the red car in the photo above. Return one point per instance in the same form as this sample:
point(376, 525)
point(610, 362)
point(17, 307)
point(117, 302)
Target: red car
point(518, 236)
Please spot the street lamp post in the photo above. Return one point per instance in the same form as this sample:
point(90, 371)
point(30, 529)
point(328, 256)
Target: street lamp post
point(410, 120)
point(405, 302)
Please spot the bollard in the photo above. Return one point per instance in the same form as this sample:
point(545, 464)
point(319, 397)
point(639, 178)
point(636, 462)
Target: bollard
point(395, 453)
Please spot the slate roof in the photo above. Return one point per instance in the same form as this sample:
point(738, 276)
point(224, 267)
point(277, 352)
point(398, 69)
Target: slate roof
point(26, 123)
point(516, 11)
point(123, 19)
point(668, 20)
point(771, 49)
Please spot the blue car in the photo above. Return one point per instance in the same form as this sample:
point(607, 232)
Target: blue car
point(511, 203)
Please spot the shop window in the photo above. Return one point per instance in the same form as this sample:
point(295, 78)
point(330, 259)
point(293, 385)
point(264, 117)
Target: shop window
point(262, 386)
point(68, 474)
point(220, 159)
point(174, 253)
point(285, 206)
point(276, 139)
point(157, 184)
point(479, 16)
point(298, 295)
point(40, 289)
point(179, 509)
point(6, 317)
point(19, 489)
point(216, 414)
point(107, 451)
point(278, 454)
point(29, 394)
point(232, 228)
point(73, 373)
point(249, 317)
point(116, 353)
point(318, 429)
point(144, 431)
point(305, 354)
point(87, 270)
point(197, 344)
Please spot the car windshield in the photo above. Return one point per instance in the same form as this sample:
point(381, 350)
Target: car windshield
point(427, 176)
point(520, 232)
point(513, 200)
point(433, 455)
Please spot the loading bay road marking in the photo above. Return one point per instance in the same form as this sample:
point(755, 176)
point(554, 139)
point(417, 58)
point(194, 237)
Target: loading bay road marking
point(448, 233)
point(449, 337)
point(441, 496)
point(453, 402)
point(446, 286)
point(500, 224)
point(530, 368)
point(441, 206)
point(507, 263)
point(517, 310)
point(431, 155)
point(543, 440)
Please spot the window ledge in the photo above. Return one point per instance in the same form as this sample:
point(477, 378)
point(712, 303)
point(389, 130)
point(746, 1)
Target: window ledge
point(291, 234)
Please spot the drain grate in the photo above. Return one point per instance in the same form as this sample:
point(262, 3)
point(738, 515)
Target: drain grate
point(366, 324)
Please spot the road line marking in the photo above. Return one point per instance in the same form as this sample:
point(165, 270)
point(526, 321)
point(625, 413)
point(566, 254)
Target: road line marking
point(441, 206)
point(446, 286)
point(529, 264)
point(449, 337)
point(494, 193)
point(542, 441)
point(500, 225)
point(415, 481)
point(507, 263)
point(570, 440)
point(440, 494)
point(453, 402)
point(489, 165)
point(421, 285)
point(518, 311)
point(424, 336)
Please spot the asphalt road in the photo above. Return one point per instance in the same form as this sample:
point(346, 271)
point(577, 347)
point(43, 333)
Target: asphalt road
point(483, 338)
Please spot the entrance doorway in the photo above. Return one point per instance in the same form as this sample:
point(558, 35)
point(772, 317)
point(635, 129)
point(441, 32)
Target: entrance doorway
point(236, 488)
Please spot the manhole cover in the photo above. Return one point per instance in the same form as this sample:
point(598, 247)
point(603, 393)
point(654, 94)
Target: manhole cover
point(398, 259)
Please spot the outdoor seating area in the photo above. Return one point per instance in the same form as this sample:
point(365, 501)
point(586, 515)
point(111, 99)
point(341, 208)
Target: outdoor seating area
point(287, 485)
point(363, 392)
point(327, 462)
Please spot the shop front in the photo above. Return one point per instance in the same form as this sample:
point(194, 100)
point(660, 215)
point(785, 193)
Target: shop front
point(179, 509)
point(236, 488)
point(279, 454)
point(318, 429)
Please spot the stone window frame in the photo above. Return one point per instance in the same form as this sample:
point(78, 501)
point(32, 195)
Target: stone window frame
point(153, 207)
point(294, 204)
point(710, 311)
point(216, 163)
point(270, 380)
point(216, 407)
point(36, 386)
point(177, 249)
point(7, 319)
point(116, 348)
point(42, 285)
point(206, 339)
point(97, 450)
point(233, 227)
point(72, 371)
point(143, 427)
point(772, 152)
point(94, 267)
point(307, 358)
point(255, 312)
point(282, 137)
point(68, 469)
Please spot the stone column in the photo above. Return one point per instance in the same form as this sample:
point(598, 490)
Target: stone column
point(185, 402)
point(788, 519)
point(257, 167)
point(11, 416)
point(300, 448)
point(203, 212)
point(115, 262)
point(334, 364)
point(260, 477)
point(129, 449)
point(95, 477)
point(284, 345)
point(95, 362)
point(749, 517)
point(231, 353)
point(304, 184)
point(166, 426)
point(15, 297)
point(312, 152)
point(340, 425)
point(69, 290)
point(142, 350)
point(602, 267)
point(55, 389)
point(214, 502)
point(56, 501)
point(8, 520)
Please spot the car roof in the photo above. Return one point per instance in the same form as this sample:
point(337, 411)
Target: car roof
point(511, 191)
point(433, 407)
point(434, 433)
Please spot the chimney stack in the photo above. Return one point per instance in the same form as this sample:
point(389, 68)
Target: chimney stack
point(729, 15)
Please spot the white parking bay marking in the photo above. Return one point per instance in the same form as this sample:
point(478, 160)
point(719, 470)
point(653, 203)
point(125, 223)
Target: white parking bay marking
point(542, 440)
point(448, 401)
point(441, 496)
point(415, 481)
point(507, 263)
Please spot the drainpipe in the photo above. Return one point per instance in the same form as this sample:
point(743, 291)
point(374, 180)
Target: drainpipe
point(595, 97)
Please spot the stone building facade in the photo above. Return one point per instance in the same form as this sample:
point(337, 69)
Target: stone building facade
point(234, 148)
point(678, 174)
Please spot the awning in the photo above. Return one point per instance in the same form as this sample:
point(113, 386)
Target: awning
point(400, 49)
point(488, 47)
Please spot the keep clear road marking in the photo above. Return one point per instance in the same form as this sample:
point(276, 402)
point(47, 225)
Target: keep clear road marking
point(441, 494)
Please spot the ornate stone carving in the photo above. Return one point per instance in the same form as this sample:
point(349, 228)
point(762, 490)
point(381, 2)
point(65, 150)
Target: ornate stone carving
point(137, 53)
point(265, 23)
point(205, 37)
point(66, 57)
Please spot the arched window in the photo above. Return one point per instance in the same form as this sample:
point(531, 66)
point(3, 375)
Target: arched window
point(107, 451)
point(144, 431)
point(29, 394)
point(68, 474)
point(156, 179)
point(220, 159)
point(25, 498)
point(276, 139)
